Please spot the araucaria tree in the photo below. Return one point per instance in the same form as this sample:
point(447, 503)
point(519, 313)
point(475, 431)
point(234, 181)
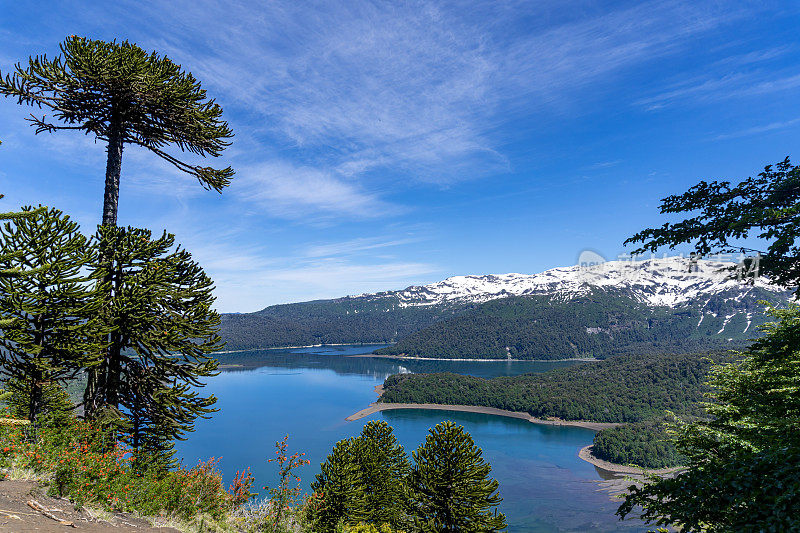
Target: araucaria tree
point(158, 309)
point(384, 471)
point(121, 95)
point(7, 258)
point(339, 487)
point(47, 307)
point(364, 480)
point(743, 468)
point(450, 487)
point(153, 301)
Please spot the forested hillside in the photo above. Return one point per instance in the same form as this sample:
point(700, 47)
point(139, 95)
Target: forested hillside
point(344, 320)
point(628, 388)
point(600, 324)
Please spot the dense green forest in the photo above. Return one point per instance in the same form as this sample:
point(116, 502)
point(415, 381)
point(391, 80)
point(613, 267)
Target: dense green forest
point(601, 324)
point(627, 388)
point(344, 320)
point(630, 389)
point(644, 444)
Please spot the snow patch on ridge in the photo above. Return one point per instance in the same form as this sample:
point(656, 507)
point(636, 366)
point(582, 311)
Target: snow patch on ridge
point(656, 282)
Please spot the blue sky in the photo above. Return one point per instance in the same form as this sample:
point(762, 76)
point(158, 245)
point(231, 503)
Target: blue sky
point(384, 144)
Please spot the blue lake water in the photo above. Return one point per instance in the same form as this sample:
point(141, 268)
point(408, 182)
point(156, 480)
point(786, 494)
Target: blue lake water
point(307, 393)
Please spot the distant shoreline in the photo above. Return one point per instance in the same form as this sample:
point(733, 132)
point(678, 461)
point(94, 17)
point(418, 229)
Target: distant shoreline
point(584, 453)
point(406, 357)
point(295, 347)
point(416, 358)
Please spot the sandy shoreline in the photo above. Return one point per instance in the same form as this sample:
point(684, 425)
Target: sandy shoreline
point(585, 453)
point(379, 406)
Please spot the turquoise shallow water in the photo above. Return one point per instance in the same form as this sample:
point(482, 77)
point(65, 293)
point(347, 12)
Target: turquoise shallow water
point(308, 393)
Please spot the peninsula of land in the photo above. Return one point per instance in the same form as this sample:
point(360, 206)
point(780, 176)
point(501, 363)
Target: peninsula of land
point(383, 406)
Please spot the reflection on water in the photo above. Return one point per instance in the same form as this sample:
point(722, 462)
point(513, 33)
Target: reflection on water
point(606, 475)
point(337, 358)
point(308, 393)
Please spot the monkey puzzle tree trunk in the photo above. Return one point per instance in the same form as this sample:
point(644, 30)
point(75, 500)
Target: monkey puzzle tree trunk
point(113, 372)
point(36, 372)
point(114, 355)
point(116, 138)
point(97, 385)
point(91, 396)
point(35, 398)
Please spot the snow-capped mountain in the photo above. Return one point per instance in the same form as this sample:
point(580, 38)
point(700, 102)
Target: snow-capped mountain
point(669, 303)
point(670, 281)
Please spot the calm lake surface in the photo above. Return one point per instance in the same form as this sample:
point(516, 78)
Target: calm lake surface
point(307, 393)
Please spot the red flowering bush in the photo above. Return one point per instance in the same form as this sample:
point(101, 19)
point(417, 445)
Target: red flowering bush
point(91, 467)
point(288, 493)
point(93, 476)
point(240, 488)
point(185, 492)
point(19, 449)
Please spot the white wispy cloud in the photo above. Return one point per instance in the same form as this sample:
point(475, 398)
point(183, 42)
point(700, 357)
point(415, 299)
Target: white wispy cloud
point(284, 189)
point(356, 245)
point(604, 164)
point(249, 277)
point(345, 277)
point(756, 56)
point(415, 88)
point(393, 93)
point(747, 83)
point(703, 89)
point(244, 279)
point(755, 130)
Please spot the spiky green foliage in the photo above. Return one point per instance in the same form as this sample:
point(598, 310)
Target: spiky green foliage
point(364, 480)
point(13, 271)
point(158, 311)
point(121, 94)
point(339, 487)
point(766, 207)
point(14, 215)
point(384, 469)
point(56, 406)
point(48, 306)
point(450, 487)
point(743, 463)
point(7, 397)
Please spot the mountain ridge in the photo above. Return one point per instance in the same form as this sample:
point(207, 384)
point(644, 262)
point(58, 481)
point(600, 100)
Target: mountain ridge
point(680, 280)
point(674, 290)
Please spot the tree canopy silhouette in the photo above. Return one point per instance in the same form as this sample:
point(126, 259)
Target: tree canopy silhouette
point(121, 95)
point(766, 207)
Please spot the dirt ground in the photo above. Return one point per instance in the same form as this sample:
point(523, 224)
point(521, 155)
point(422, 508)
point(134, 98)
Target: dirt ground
point(18, 517)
